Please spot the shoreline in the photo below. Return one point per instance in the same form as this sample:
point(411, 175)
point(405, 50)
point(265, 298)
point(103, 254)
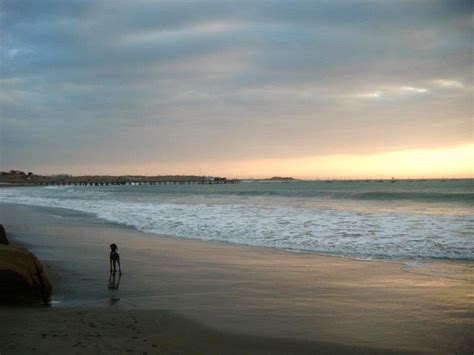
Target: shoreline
point(399, 260)
point(404, 262)
point(368, 258)
point(259, 292)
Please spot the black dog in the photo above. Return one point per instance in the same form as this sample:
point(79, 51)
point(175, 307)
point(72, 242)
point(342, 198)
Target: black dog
point(114, 258)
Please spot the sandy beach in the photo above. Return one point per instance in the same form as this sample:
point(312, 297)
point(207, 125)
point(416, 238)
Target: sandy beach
point(187, 296)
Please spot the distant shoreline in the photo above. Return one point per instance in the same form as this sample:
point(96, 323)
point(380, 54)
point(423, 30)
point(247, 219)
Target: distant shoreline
point(20, 177)
point(78, 181)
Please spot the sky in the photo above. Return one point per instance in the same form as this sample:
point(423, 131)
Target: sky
point(310, 89)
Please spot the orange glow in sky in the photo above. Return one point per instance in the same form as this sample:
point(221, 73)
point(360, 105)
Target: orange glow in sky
point(452, 162)
point(417, 163)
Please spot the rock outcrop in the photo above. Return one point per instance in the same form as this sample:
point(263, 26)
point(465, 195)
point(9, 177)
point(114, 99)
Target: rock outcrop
point(22, 278)
point(3, 236)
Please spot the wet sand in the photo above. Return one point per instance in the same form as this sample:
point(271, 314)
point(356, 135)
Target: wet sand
point(189, 296)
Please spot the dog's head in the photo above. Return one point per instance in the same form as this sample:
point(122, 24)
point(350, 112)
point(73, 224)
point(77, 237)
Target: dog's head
point(113, 246)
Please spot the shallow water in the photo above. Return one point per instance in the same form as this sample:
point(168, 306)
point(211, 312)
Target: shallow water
point(405, 219)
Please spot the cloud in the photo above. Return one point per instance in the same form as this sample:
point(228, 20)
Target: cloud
point(389, 92)
point(207, 80)
point(445, 83)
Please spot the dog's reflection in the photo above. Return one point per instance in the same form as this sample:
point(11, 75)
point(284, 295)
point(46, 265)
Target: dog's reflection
point(114, 284)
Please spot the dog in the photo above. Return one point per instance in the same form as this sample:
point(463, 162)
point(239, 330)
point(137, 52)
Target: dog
point(114, 259)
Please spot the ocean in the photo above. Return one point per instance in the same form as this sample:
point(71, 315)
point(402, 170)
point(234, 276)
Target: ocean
point(358, 219)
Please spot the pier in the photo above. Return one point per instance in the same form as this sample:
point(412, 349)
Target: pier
point(133, 182)
point(21, 178)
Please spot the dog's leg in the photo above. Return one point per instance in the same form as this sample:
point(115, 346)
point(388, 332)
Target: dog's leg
point(111, 265)
point(120, 269)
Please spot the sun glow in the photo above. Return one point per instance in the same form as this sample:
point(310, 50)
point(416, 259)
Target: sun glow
point(449, 162)
point(453, 162)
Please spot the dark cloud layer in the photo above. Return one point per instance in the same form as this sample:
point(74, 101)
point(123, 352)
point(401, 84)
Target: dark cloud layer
point(158, 81)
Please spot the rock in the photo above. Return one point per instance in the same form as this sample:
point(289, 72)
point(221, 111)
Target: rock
point(3, 236)
point(22, 278)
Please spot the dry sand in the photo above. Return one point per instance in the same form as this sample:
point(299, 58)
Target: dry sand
point(185, 296)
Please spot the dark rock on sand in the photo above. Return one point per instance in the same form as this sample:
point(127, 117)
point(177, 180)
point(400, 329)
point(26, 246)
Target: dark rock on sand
point(22, 278)
point(3, 236)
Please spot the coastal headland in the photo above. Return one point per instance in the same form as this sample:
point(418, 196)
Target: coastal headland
point(188, 296)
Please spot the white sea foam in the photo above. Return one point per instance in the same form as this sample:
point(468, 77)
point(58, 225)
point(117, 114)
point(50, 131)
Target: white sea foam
point(333, 231)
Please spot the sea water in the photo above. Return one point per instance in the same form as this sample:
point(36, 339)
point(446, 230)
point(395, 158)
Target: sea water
point(362, 219)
